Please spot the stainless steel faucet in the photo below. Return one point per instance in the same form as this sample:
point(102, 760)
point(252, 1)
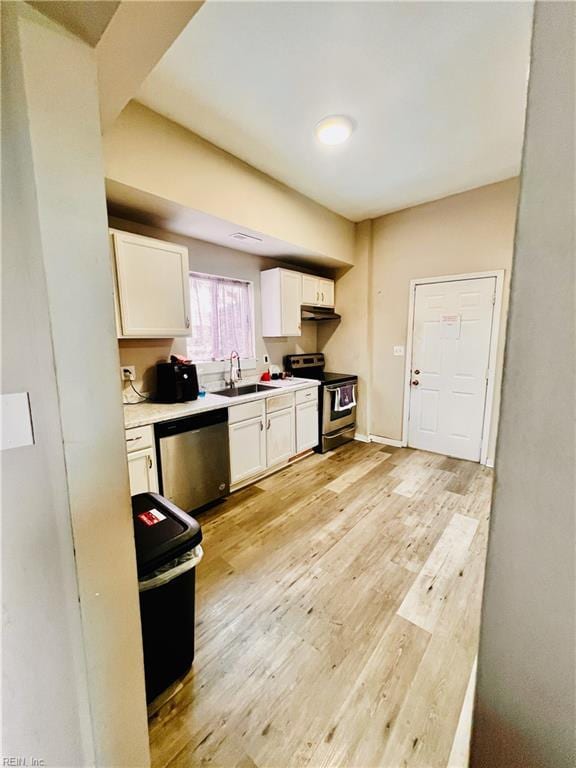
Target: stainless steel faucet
point(235, 375)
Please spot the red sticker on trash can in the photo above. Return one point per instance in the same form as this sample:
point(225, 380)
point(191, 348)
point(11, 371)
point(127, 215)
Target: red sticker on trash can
point(151, 517)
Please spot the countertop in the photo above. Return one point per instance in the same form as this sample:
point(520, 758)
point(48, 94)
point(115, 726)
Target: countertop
point(141, 414)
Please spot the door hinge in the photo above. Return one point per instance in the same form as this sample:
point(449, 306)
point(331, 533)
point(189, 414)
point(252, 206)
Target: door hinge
point(493, 299)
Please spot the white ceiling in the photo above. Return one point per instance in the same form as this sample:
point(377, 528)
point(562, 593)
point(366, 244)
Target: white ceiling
point(437, 90)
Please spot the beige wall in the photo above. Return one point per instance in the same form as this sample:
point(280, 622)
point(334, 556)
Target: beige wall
point(347, 345)
point(73, 677)
point(213, 259)
point(526, 692)
point(132, 44)
point(470, 232)
point(147, 152)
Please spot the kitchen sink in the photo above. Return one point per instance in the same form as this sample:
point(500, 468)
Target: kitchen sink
point(246, 389)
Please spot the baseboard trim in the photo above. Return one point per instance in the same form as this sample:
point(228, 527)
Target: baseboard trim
point(386, 441)
point(362, 438)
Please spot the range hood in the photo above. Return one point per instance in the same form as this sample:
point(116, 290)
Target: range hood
point(319, 314)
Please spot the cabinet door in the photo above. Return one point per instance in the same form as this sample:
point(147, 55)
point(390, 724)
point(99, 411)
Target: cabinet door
point(310, 293)
point(153, 291)
point(280, 443)
point(326, 292)
point(247, 449)
point(306, 426)
point(142, 472)
point(290, 298)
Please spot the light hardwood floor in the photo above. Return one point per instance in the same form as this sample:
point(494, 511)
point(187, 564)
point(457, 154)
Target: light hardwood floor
point(337, 616)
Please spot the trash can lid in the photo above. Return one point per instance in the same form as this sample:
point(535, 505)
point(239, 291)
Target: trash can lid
point(162, 531)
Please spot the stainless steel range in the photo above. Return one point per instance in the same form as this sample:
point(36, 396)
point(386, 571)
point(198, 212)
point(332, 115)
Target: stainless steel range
point(336, 423)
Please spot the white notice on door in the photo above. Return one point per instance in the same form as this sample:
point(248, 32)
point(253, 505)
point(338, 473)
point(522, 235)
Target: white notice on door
point(450, 326)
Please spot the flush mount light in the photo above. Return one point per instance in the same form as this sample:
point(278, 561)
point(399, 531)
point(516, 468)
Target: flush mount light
point(335, 129)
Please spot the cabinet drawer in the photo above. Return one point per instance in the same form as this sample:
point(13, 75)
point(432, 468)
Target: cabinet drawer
point(245, 411)
point(278, 402)
point(138, 438)
point(306, 395)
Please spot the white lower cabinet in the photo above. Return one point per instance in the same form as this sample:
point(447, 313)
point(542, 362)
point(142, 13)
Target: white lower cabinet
point(280, 444)
point(142, 472)
point(306, 425)
point(269, 432)
point(247, 448)
point(142, 468)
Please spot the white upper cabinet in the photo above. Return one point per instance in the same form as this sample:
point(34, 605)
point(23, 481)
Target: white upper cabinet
point(317, 291)
point(326, 292)
point(309, 290)
point(281, 295)
point(153, 299)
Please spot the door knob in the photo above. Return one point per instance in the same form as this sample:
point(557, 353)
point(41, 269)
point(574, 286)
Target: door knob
point(415, 383)
point(416, 372)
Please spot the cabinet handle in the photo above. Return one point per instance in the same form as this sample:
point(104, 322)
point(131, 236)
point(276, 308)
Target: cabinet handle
point(149, 462)
point(322, 295)
point(187, 322)
point(268, 425)
point(261, 425)
point(132, 439)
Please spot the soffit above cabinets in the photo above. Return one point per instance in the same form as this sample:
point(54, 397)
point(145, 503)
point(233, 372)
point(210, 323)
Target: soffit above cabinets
point(134, 205)
point(437, 92)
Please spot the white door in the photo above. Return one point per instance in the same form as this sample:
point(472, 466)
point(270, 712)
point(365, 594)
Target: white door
point(247, 449)
point(153, 290)
point(326, 291)
point(306, 425)
point(309, 289)
point(290, 296)
point(450, 357)
point(280, 436)
point(142, 472)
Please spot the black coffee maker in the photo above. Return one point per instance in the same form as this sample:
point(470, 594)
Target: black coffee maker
point(176, 382)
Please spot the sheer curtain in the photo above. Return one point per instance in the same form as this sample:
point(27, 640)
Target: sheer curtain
point(221, 318)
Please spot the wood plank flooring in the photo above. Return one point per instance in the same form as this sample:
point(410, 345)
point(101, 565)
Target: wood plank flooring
point(338, 611)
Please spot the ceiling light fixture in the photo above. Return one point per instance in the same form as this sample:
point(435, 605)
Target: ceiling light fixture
point(335, 129)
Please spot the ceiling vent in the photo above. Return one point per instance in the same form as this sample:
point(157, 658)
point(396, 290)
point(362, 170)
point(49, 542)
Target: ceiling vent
point(244, 238)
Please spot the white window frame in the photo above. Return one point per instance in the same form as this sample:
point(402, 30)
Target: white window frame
point(221, 366)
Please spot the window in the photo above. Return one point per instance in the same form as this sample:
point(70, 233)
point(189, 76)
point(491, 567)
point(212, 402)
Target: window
point(222, 318)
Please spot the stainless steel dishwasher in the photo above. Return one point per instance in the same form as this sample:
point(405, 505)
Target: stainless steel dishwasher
point(193, 457)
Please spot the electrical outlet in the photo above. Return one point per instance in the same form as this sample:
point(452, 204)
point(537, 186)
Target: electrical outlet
point(266, 359)
point(128, 372)
point(399, 351)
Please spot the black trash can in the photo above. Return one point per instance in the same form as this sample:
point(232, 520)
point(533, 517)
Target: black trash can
point(167, 553)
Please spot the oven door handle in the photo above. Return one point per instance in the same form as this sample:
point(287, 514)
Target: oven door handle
point(336, 387)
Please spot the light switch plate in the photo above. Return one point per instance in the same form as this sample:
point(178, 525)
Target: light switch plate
point(266, 359)
point(16, 421)
point(399, 351)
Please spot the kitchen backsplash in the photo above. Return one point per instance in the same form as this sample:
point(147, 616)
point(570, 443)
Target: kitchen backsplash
point(145, 353)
